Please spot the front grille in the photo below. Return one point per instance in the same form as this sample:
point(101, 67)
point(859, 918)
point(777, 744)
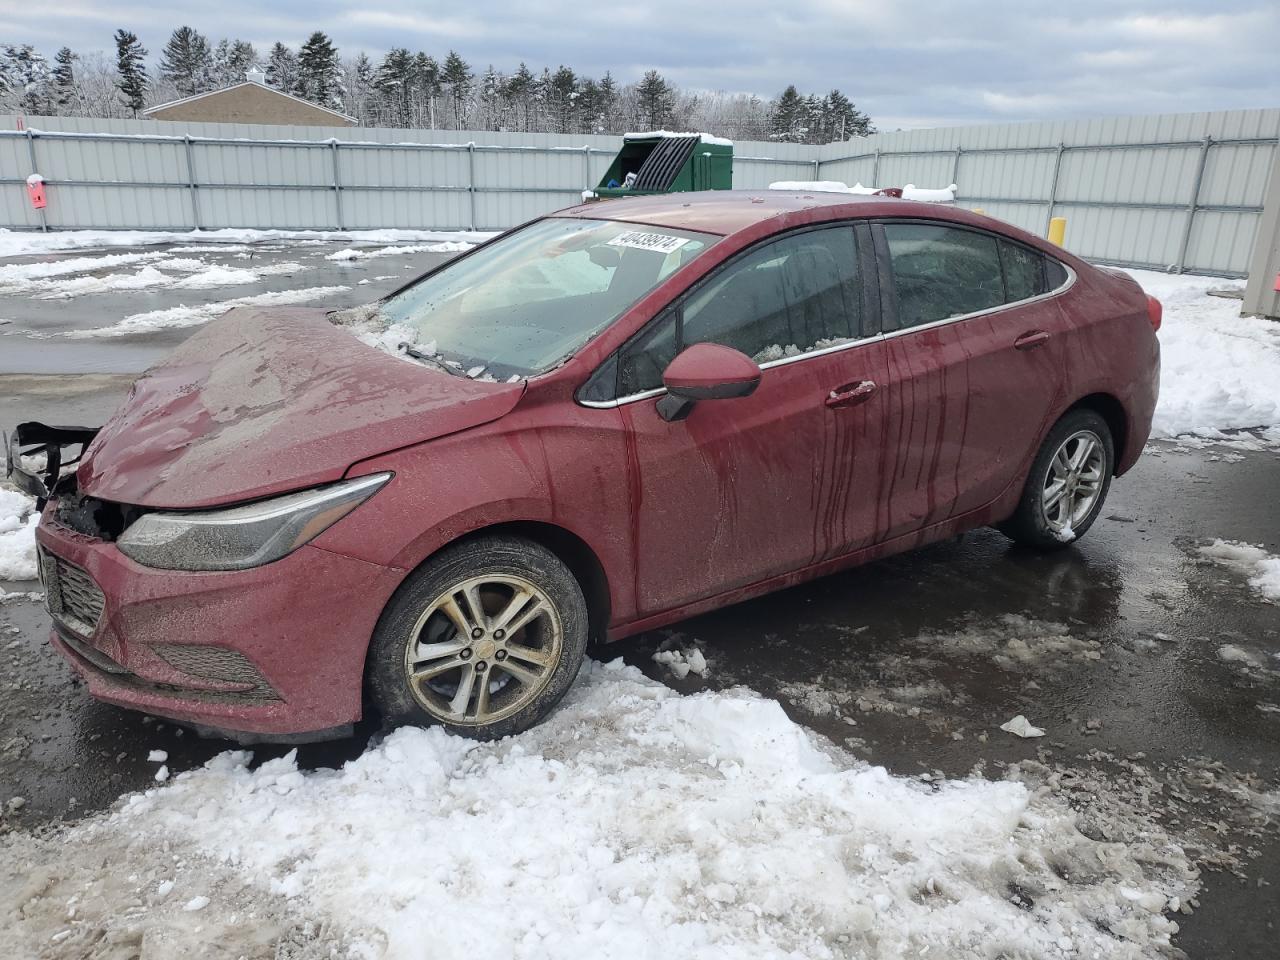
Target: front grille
point(71, 595)
point(215, 663)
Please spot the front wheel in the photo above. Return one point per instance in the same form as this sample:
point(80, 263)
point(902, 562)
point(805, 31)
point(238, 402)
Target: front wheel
point(1067, 485)
point(484, 639)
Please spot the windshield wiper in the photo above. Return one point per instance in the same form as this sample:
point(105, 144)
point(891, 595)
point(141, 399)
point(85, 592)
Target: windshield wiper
point(436, 362)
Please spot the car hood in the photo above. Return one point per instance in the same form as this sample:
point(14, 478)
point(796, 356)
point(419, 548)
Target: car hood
point(264, 401)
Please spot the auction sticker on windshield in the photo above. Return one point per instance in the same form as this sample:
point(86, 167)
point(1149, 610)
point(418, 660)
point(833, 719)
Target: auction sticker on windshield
point(658, 242)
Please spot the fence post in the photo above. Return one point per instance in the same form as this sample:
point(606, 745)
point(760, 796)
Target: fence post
point(471, 179)
point(816, 164)
point(337, 185)
point(875, 171)
point(31, 152)
point(955, 168)
point(586, 166)
point(1205, 144)
point(192, 188)
point(1053, 186)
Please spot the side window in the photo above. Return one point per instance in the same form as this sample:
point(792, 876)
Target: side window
point(644, 358)
point(941, 272)
point(786, 298)
point(791, 296)
point(1055, 274)
point(1023, 271)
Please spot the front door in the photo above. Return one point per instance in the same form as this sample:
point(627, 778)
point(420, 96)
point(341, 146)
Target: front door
point(751, 488)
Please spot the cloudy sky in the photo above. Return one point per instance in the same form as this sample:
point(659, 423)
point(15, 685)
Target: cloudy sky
point(909, 63)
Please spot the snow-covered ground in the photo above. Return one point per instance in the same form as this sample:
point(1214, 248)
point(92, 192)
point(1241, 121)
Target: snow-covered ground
point(18, 521)
point(17, 243)
point(1219, 371)
point(635, 822)
point(1262, 569)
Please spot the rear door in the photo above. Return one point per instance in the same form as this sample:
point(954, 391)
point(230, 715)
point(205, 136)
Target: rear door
point(975, 356)
point(751, 488)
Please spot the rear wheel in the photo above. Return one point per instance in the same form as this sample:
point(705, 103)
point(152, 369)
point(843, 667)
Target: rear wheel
point(1067, 485)
point(485, 639)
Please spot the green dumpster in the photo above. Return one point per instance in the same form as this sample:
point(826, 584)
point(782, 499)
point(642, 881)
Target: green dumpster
point(662, 162)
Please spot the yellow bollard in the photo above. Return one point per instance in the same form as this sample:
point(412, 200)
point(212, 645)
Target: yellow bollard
point(1058, 230)
point(980, 211)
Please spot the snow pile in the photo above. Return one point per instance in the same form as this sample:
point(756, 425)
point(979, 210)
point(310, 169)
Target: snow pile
point(184, 316)
point(819, 186)
point(649, 134)
point(353, 253)
point(708, 825)
point(18, 521)
point(1218, 370)
point(1262, 568)
point(681, 657)
point(945, 194)
point(15, 243)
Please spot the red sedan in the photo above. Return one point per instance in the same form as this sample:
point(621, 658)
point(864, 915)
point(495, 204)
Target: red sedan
point(599, 423)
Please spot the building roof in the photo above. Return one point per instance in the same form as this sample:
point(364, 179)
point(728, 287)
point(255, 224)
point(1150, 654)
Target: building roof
point(237, 86)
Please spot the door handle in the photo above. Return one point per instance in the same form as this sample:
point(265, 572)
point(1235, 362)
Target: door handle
point(1029, 341)
point(852, 394)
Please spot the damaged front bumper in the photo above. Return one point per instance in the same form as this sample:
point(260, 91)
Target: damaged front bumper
point(32, 440)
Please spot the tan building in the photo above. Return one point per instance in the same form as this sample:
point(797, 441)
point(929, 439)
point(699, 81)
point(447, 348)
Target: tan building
point(249, 102)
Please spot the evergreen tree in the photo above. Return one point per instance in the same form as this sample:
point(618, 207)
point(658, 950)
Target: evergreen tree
point(64, 78)
point(282, 68)
point(455, 77)
point(425, 89)
point(517, 92)
point(562, 96)
point(187, 61)
point(318, 78)
point(787, 116)
point(232, 61)
point(25, 75)
point(606, 108)
point(131, 71)
point(655, 101)
point(489, 99)
point(394, 84)
point(842, 120)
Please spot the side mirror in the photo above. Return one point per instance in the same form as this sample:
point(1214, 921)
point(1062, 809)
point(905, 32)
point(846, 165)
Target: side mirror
point(706, 371)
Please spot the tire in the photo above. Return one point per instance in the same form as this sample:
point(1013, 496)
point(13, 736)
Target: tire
point(420, 658)
point(1038, 520)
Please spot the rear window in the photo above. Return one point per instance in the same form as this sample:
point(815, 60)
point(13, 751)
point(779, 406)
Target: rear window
point(941, 272)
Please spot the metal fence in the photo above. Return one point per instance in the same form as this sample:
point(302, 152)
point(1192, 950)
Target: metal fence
point(1182, 192)
point(1178, 191)
point(128, 174)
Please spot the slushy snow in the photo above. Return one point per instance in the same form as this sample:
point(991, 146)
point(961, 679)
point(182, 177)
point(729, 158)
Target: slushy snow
point(1262, 569)
point(636, 822)
point(18, 521)
point(17, 243)
point(184, 316)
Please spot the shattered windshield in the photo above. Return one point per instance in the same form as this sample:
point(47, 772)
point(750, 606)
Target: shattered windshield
point(529, 300)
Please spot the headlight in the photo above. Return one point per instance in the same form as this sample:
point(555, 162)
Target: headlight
point(241, 537)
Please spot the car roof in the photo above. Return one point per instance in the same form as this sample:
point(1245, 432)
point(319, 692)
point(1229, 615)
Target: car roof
point(725, 211)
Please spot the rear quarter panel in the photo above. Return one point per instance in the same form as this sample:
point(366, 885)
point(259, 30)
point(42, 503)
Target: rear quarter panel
point(1111, 349)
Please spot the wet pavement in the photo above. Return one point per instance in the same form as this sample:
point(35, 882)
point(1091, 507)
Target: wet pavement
point(1111, 646)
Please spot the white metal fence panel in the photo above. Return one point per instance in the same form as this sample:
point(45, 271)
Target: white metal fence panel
point(1182, 191)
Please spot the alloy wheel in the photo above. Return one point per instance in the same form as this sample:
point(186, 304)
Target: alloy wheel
point(1073, 482)
point(483, 649)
